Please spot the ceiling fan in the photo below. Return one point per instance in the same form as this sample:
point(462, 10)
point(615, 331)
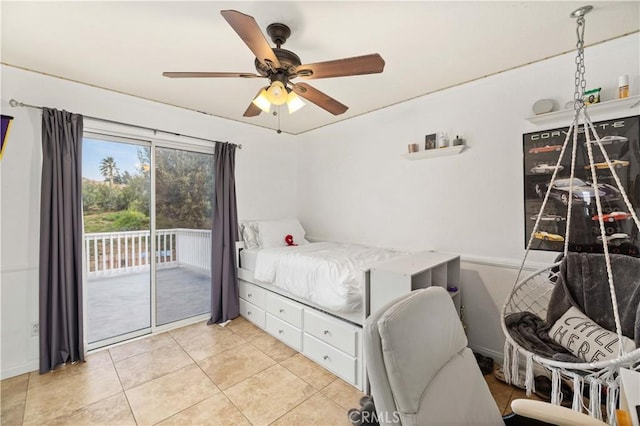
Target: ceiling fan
point(281, 66)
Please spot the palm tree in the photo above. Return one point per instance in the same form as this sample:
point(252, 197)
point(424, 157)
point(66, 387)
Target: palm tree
point(109, 169)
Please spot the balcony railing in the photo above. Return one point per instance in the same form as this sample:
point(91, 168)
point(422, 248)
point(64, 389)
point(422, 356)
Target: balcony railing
point(112, 253)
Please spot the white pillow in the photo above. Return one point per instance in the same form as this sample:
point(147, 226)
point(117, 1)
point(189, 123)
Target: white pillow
point(271, 233)
point(586, 339)
point(248, 234)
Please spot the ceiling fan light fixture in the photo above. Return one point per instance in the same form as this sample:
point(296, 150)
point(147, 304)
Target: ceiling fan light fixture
point(277, 93)
point(262, 101)
point(294, 102)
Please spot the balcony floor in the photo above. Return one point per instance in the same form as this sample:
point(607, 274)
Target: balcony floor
point(121, 304)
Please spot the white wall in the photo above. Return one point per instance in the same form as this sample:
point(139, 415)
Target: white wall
point(265, 170)
point(354, 185)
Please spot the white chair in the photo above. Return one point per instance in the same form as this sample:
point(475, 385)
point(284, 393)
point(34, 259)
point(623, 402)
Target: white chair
point(422, 372)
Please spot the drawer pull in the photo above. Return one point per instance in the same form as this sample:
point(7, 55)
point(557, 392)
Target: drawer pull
point(281, 331)
point(249, 295)
point(282, 311)
point(326, 357)
point(248, 312)
point(326, 332)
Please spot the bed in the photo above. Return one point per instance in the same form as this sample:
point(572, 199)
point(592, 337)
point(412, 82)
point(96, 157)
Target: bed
point(313, 296)
point(329, 275)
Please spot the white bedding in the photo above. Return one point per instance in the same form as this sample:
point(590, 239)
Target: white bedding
point(328, 274)
point(248, 258)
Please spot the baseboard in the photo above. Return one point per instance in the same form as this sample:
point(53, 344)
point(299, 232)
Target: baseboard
point(20, 369)
point(498, 357)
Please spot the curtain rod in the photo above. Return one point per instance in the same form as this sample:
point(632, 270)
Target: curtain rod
point(15, 104)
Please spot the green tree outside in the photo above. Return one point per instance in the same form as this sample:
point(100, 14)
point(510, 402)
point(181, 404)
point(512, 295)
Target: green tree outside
point(184, 193)
point(184, 189)
point(109, 170)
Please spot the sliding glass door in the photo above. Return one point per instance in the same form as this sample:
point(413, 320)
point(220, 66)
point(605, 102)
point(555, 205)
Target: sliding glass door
point(116, 213)
point(184, 190)
point(147, 236)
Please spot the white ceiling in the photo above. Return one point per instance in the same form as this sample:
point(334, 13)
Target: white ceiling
point(427, 46)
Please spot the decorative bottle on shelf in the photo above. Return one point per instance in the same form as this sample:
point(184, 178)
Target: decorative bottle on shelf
point(457, 141)
point(443, 142)
point(623, 86)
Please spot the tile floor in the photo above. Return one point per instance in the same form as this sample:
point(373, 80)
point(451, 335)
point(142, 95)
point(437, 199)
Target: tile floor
point(198, 374)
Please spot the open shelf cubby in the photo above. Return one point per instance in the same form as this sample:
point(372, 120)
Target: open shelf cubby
point(397, 277)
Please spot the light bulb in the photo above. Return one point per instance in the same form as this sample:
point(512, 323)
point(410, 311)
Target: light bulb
point(294, 102)
point(262, 101)
point(277, 94)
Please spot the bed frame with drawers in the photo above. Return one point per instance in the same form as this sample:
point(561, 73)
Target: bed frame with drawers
point(331, 339)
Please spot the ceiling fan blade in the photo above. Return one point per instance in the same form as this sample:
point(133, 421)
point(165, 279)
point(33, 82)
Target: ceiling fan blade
point(253, 110)
point(209, 74)
point(358, 65)
point(249, 31)
point(323, 100)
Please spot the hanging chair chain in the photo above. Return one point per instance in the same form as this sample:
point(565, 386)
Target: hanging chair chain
point(580, 82)
point(578, 105)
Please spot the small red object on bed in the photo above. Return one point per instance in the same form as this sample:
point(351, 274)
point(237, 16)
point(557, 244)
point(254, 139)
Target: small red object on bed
point(289, 240)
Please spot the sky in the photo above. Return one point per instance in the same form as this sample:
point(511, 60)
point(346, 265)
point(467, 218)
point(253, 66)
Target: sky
point(93, 151)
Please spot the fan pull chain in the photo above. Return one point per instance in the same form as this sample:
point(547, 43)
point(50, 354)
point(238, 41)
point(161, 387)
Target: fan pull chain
point(277, 113)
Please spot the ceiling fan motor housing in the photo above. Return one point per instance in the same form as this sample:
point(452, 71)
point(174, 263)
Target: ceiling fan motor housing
point(279, 33)
point(289, 61)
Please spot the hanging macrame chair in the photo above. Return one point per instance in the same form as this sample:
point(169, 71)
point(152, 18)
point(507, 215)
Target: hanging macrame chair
point(533, 293)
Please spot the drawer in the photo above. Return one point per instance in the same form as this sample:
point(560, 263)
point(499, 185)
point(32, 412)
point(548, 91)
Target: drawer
point(252, 313)
point(330, 358)
point(284, 309)
point(331, 331)
point(252, 293)
point(286, 332)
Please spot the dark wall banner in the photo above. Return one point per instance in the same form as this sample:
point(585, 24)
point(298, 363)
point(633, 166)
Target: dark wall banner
point(6, 125)
point(620, 139)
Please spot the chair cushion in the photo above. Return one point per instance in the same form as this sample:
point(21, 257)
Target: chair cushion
point(457, 395)
point(412, 362)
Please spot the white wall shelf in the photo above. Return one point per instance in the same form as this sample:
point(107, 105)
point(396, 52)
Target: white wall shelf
point(437, 152)
point(630, 104)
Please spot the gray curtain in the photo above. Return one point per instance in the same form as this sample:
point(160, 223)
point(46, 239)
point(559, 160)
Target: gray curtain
point(61, 338)
point(225, 304)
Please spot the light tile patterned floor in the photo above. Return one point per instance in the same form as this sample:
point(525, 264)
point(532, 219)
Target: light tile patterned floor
point(198, 374)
